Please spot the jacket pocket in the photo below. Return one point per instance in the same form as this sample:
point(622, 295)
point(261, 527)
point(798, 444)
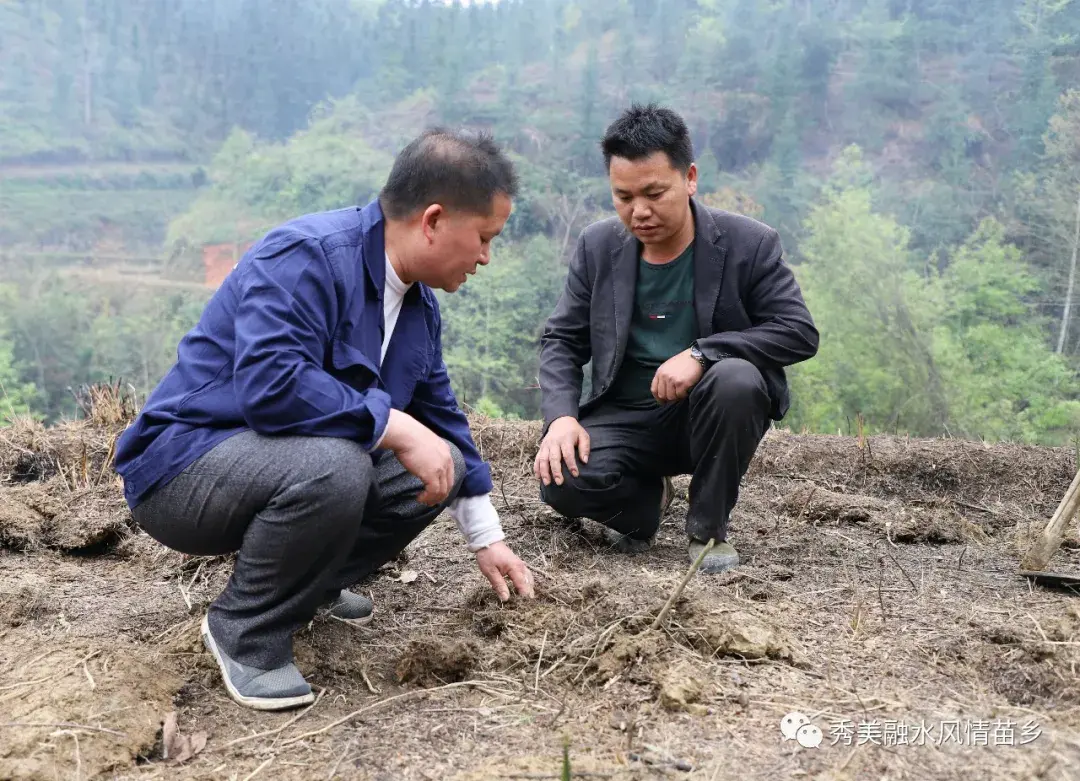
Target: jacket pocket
point(353, 365)
point(218, 381)
point(731, 317)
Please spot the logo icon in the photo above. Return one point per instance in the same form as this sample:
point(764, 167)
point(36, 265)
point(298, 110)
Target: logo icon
point(796, 726)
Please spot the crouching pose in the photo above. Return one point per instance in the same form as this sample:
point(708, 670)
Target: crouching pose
point(308, 422)
point(689, 316)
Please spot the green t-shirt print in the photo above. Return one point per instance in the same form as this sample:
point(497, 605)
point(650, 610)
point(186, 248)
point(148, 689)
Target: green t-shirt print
point(663, 324)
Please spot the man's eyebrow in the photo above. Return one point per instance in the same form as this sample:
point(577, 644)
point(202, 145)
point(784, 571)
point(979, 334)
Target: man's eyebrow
point(646, 188)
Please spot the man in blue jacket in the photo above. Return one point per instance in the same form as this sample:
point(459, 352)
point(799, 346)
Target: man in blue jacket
point(309, 423)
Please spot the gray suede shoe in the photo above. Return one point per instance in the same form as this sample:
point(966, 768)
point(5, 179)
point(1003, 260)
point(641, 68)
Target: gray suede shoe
point(278, 689)
point(721, 558)
point(355, 609)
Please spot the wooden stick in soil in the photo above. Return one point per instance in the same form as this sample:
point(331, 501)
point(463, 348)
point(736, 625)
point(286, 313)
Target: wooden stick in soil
point(1043, 550)
point(679, 589)
point(276, 730)
point(414, 694)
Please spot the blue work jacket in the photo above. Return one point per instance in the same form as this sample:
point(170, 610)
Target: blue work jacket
point(290, 345)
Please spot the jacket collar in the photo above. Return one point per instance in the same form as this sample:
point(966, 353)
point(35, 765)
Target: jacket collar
point(372, 226)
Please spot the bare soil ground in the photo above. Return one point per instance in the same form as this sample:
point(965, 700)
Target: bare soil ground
point(879, 598)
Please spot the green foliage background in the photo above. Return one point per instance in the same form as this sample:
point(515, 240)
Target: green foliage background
point(921, 159)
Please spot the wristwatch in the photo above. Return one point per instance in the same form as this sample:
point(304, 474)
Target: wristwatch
point(699, 356)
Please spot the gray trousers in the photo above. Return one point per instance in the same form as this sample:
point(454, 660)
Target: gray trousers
point(309, 517)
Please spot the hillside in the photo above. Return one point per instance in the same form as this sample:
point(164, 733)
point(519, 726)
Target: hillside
point(880, 589)
point(920, 160)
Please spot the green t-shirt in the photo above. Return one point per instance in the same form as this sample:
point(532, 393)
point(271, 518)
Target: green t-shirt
point(662, 325)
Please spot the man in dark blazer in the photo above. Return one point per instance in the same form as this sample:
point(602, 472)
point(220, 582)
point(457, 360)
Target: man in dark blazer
point(688, 316)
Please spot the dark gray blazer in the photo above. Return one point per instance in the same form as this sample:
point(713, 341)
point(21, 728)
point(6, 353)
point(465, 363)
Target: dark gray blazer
point(747, 302)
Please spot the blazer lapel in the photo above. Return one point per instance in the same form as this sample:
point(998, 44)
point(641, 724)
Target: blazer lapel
point(709, 257)
point(624, 269)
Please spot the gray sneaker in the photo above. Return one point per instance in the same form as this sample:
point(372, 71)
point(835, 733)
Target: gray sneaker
point(278, 689)
point(624, 543)
point(721, 558)
point(355, 609)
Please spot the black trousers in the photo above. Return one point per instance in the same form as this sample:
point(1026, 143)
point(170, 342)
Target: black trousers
point(309, 517)
point(712, 435)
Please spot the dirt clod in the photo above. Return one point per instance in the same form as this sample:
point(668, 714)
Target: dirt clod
point(625, 653)
point(741, 634)
point(51, 515)
point(820, 505)
point(680, 689)
point(435, 661)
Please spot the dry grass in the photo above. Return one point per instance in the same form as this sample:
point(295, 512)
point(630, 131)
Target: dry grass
point(80, 451)
point(878, 586)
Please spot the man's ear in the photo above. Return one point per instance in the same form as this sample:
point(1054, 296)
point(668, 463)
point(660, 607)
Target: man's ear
point(691, 179)
point(430, 220)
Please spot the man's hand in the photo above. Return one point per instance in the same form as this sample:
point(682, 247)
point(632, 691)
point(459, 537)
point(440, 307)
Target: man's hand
point(676, 377)
point(424, 453)
point(498, 562)
point(564, 436)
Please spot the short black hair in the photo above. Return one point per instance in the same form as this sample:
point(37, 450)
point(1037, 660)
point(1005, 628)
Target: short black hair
point(458, 169)
point(644, 130)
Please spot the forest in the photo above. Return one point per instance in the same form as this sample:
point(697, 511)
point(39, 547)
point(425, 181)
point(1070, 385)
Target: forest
point(920, 159)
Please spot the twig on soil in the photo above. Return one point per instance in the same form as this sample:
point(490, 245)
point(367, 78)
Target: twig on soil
point(679, 589)
point(502, 490)
point(78, 754)
point(573, 774)
point(806, 505)
point(334, 769)
point(187, 600)
point(908, 577)
point(559, 661)
point(539, 659)
point(61, 725)
point(367, 681)
point(60, 674)
point(89, 677)
point(881, 598)
point(183, 624)
point(276, 730)
point(977, 507)
point(259, 769)
point(478, 685)
point(596, 647)
point(25, 683)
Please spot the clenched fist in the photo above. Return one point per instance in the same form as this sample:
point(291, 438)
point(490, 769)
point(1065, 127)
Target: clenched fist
point(676, 377)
